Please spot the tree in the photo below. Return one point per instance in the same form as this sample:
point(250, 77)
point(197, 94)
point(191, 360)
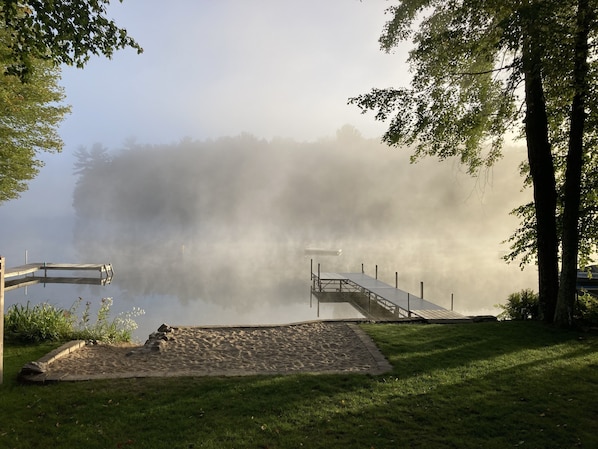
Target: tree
point(572, 188)
point(30, 115)
point(480, 70)
point(63, 31)
point(36, 38)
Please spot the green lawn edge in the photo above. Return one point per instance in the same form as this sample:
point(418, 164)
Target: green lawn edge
point(490, 385)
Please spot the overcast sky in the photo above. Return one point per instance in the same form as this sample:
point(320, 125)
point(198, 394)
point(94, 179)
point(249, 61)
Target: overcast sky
point(212, 68)
point(268, 67)
point(220, 68)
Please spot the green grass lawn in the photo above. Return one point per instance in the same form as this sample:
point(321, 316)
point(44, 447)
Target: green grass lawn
point(487, 385)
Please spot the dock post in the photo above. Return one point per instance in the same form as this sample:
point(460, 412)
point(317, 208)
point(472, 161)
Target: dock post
point(452, 301)
point(319, 284)
point(2, 268)
point(362, 269)
point(421, 289)
point(376, 272)
point(408, 306)
point(396, 279)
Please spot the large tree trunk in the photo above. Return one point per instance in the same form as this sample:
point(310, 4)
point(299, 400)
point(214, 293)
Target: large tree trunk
point(542, 173)
point(570, 237)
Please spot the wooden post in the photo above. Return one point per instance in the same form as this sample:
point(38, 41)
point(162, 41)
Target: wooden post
point(319, 286)
point(2, 268)
point(421, 289)
point(362, 269)
point(408, 306)
point(452, 301)
point(396, 279)
point(376, 271)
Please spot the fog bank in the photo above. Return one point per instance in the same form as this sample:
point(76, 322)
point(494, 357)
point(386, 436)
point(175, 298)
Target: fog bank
point(225, 220)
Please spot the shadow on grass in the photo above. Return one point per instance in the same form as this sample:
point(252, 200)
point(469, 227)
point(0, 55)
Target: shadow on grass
point(491, 385)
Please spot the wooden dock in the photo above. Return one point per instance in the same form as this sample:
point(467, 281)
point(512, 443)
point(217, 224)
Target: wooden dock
point(37, 273)
point(377, 299)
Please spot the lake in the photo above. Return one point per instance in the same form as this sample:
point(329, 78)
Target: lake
point(214, 232)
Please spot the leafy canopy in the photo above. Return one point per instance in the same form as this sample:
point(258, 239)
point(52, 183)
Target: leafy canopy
point(37, 36)
point(29, 116)
point(64, 31)
point(466, 93)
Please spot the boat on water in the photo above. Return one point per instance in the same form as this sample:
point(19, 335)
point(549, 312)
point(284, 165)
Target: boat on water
point(322, 252)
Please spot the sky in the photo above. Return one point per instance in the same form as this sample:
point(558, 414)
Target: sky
point(212, 69)
point(209, 69)
point(270, 68)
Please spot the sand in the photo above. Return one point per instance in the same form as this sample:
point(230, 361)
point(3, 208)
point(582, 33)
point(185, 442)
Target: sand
point(313, 347)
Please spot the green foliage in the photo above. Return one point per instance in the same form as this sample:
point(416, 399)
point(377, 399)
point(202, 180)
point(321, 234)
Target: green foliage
point(63, 31)
point(42, 322)
point(45, 322)
point(480, 70)
point(523, 305)
point(491, 385)
point(462, 96)
point(587, 310)
point(117, 329)
point(37, 36)
point(30, 114)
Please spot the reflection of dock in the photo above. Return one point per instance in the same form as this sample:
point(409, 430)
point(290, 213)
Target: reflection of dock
point(378, 300)
point(26, 275)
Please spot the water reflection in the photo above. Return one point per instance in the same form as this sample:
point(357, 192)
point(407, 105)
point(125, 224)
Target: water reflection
point(215, 232)
point(184, 293)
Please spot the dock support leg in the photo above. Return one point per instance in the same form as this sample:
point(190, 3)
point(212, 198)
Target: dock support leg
point(319, 283)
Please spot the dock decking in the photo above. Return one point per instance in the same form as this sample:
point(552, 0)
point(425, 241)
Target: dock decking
point(25, 275)
point(396, 302)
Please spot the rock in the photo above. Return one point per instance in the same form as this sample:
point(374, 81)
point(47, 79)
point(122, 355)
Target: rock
point(34, 368)
point(156, 339)
point(165, 328)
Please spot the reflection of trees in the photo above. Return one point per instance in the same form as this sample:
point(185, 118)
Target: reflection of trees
point(227, 216)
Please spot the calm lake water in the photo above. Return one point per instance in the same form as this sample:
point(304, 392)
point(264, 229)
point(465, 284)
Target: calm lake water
point(183, 293)
point(214, 232)
point(227, 285)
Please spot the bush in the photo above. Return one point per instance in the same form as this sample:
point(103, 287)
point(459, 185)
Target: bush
point(45, 322)
point(587, 310)
point(523, 305)
point(42, 322)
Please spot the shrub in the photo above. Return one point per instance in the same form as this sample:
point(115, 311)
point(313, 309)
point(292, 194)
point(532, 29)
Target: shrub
point(118, 329)
point(42, 322)
point(45, 322)
point(523, 305)
point(587, 309)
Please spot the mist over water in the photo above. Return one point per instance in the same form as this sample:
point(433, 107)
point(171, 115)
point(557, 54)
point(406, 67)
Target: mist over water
point(214, 232)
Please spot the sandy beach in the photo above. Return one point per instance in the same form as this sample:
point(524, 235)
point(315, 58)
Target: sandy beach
point(313, 347)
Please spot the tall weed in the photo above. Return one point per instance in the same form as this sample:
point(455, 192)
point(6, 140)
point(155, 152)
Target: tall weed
point(41, 322)
point(46, 322)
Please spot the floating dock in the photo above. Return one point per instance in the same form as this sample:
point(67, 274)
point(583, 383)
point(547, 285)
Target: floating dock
point(378, 300)
point(37, 273)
